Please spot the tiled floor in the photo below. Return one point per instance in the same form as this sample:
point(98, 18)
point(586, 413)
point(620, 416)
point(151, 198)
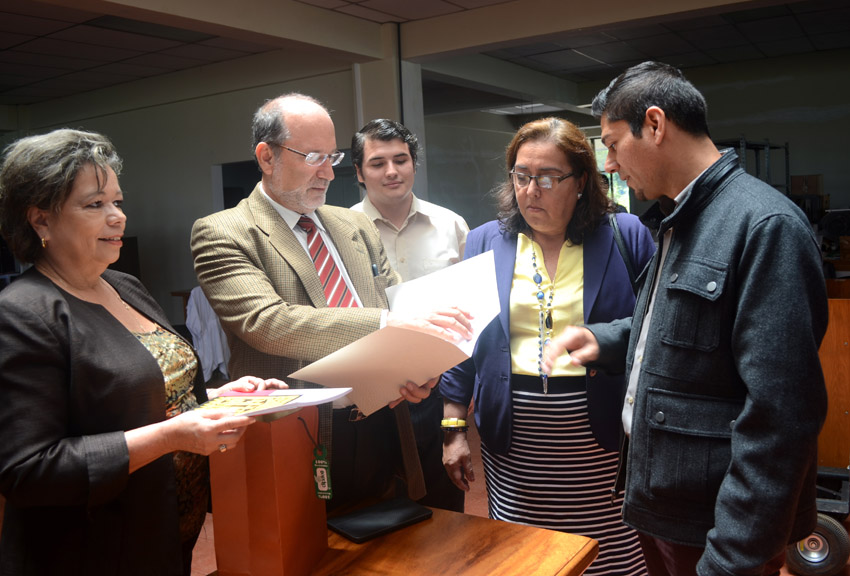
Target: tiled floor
point(203, 557)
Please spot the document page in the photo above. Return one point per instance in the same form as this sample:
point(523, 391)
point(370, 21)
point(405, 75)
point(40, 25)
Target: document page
point(377, 365)
point(469, 285)
point(271, 401)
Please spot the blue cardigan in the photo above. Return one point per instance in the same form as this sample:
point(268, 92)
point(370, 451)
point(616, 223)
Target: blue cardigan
point(607, 296)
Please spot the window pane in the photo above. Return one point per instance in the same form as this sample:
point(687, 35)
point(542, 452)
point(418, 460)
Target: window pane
point(617, 189)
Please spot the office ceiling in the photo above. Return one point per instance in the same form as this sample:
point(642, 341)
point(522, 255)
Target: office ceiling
point(48, 51)
point(748, 34)
point(400, 11)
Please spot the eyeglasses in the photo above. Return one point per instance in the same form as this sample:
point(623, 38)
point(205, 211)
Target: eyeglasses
point(316, 159)
point(522, 180)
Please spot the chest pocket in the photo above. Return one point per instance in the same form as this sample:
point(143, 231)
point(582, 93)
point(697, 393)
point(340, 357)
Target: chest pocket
point(692, 310)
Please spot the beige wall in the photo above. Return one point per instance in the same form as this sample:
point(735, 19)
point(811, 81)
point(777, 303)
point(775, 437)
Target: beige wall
point(171, 139)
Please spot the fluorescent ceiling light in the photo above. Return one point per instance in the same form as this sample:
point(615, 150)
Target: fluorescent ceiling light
point(522, 109)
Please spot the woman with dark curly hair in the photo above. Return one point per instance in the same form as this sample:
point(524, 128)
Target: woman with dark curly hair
point(103, 465)
point(549, 441)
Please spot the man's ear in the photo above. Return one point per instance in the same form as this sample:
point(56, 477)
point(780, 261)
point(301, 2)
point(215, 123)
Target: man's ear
point(359, 175)
point(656, 121)
point(265, 157)
point(39, 220)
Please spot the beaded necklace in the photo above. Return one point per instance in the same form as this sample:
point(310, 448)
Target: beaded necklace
point(544, 320)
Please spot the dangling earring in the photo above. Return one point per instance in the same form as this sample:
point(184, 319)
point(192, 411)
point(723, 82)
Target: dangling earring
point(44, 242)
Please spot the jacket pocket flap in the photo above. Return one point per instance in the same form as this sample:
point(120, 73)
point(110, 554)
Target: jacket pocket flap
point(692, 414)
point(701, 277)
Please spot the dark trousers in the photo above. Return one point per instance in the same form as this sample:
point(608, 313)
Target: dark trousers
point(665, 558)
point(426, 417)
point(365, 459)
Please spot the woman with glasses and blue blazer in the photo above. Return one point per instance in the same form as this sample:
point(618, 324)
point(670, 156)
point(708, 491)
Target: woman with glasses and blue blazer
point(550, 442)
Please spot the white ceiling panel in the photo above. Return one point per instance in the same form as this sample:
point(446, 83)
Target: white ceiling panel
point(412, 10)
point(661, 46)
point(113, 38)
point(369, 14)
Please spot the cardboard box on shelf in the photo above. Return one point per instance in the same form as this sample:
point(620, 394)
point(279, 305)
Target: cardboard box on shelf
point(807, 184)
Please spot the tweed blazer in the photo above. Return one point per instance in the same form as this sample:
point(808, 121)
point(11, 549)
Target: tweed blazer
point(265, 290)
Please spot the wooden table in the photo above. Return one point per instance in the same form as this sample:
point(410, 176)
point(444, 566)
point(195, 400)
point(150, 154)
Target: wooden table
point(460, 544)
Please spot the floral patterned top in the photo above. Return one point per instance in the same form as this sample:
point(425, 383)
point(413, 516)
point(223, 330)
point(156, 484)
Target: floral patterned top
point(179, 366)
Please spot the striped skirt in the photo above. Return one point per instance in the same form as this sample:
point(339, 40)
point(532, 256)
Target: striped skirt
point(556, 476)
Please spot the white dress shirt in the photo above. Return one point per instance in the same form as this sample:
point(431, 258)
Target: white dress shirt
point(430, 239)
point(640, 347)
point(208, 338)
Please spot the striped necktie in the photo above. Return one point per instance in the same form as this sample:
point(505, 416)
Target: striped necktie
point(338, 295)
point(336, 290)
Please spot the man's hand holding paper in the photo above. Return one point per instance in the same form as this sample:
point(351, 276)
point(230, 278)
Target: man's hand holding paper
point(452, 324)
point(415, 393)
point(433, 324)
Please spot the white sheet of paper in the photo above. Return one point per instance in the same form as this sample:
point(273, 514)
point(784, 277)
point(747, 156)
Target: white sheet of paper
point(377, 365)
point(314, 396)
point(469, 285)
point(251, 403)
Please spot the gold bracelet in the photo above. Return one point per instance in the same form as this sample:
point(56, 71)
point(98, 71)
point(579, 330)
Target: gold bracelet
point(454, 425)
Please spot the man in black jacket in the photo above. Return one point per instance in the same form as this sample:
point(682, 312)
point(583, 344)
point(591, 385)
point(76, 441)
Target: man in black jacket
point(726, 395)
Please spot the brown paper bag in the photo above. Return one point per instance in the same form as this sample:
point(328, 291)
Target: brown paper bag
point(266, 516)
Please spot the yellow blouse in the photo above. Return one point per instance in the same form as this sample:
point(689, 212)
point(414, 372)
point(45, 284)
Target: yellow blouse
point(567, 304)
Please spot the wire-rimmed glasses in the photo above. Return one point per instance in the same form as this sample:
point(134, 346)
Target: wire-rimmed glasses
point(315, 158)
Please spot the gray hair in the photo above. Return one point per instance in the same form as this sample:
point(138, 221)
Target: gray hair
point(39, 171)
point(269, 123)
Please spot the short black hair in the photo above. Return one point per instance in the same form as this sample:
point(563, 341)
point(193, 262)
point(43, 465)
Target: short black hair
point(385, 130)
point(648, 84)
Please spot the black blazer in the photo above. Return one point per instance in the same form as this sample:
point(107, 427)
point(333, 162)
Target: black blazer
point(72, 380)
